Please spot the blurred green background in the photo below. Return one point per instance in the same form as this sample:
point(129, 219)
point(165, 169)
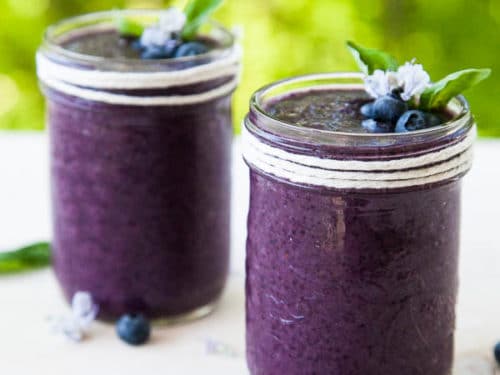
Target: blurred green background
point(284, 38)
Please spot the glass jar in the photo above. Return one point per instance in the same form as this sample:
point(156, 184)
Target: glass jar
point(353, 242)
point(140, 168)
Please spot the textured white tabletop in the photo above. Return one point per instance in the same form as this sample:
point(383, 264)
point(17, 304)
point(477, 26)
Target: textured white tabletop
point(214, 345)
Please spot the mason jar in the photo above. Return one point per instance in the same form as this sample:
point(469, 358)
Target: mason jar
point(353, 241)
point(140, 156)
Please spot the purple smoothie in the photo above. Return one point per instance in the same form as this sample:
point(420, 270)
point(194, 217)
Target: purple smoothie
point(344, 281)
point(140, 194)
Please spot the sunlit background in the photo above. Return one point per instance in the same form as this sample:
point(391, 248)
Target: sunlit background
point(283, 38)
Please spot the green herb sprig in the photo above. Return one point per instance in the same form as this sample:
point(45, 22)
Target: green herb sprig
point(434, 98)
point(197, 13)
point(27, 258)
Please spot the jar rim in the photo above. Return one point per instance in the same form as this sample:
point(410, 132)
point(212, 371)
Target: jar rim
point(61, 30)
point(274, 127)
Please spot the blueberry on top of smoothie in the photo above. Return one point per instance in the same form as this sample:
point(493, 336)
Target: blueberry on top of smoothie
point(404, 98)
point(174, 35)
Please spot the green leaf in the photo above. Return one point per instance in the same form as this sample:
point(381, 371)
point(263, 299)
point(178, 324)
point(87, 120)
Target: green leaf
point(197, 13)
point(26, 258)
point(440, 93)
point(370, 59)
point(128, 27)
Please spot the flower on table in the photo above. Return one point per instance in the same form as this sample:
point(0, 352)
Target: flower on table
point(83, 313)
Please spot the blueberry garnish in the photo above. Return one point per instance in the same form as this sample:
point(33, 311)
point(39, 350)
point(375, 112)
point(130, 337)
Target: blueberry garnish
point(133, 329)
point(153, 53)
point(377, 127)
point(367, 110)
point(388, 108)
point(191, 49)
point(411, 120)
point(496, 352)
point(433, 119)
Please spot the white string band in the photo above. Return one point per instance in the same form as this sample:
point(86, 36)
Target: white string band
point(429, 168)
point(225, 67)
point(88, 84)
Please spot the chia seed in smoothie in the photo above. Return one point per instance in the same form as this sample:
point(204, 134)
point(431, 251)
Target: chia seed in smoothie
point(140, 192)
point(347, 281)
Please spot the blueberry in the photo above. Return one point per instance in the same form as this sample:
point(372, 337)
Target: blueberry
point(496, 352)
point(411, 120)
point(367, 110)
point(433, 119)
point(191, 49)
point(133, 329)
point(136, 45)
point(388, 108)
point(154, 52)
point(171, 46)
point(377, 127)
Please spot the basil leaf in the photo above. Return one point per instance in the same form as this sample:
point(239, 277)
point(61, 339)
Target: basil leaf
point(26, 258)
point(370, 59)
point(440, 93)
point(127, 27)
point(197, 13)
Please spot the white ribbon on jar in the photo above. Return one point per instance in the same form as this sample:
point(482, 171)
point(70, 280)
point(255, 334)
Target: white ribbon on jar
point(447, 163)
point(91, 84)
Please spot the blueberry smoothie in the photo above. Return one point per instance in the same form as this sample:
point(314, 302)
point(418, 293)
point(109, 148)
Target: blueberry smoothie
point(140, 167)
point(353, 237)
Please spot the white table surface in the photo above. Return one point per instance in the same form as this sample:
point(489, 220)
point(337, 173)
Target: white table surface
point(28, 347)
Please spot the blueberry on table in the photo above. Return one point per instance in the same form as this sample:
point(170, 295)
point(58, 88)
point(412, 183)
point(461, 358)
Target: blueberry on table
point(191, 49)
point(388, 108)
point(496, 352)
point(133, 329)
point(367, 110)
point(377, 127)
point(411, 120)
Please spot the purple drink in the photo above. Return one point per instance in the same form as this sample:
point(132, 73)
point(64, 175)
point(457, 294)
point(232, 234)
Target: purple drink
point(140, 164)
point(353, 238)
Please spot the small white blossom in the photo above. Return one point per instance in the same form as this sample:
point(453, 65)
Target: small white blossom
point(172, 20)
point(84, 309)
point(380, 83)
point(74, 326)
point(413, 79)
point(154, 36)
point(169, 27)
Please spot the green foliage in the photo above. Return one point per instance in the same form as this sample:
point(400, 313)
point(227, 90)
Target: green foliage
point(440, 93)
point(26, 258)
point(129, 27)
point(284, 38)
point(370, 59)
point(197, 13)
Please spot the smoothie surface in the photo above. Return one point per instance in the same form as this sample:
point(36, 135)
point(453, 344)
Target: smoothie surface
point(324, 109)
point(336, 110)
point(110, 44)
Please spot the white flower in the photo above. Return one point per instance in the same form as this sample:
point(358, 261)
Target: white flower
point(413, 79)
point(154, 36)
point(380, 83)
point(410, 79)
point(84, 309)
point(74, 326)
point(172, 20)
point(169, 26)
